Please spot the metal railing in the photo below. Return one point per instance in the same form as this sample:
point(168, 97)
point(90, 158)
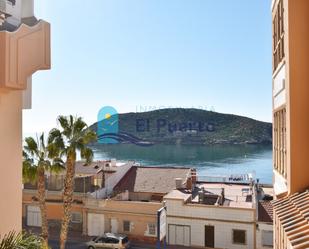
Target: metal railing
point(234, 178)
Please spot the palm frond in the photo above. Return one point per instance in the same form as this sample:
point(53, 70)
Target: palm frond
point(31, 146)
point(87, 154)
point(53, 135)
point(57, 166)
point(29, 172)
point(66, 125)
point(89, 136)
point(42, 142)
point(21, 240)
point(78, 126)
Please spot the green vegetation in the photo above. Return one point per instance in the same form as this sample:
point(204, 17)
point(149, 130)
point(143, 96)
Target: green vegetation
point(72, 138)
point(39, 158)
point(194, 126)
point(58, 153)
point(21, 241)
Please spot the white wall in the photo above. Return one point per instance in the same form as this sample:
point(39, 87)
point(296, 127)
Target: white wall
point(223, 232)
point(259, 240)
point(177, 208)
point(112, 181)
point(223, 219)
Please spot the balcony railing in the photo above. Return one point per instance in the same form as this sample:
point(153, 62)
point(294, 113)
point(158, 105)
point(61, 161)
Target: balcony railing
point(234, 178)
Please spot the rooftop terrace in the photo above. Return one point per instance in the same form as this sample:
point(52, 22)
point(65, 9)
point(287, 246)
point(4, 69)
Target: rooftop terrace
point(218, 194)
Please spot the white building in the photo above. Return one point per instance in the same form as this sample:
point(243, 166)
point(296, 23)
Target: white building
point(216, 215)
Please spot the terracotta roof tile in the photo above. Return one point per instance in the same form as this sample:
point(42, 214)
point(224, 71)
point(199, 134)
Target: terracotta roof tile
point(159, 180)
point(265, 211)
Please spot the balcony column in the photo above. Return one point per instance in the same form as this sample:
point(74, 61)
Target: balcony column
point(11, 161)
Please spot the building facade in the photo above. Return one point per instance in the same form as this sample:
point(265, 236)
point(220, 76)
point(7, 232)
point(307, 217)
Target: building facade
point(290, 122)
point(132, 195)
point(24, 49)
point(195, 224)
point(218, 215)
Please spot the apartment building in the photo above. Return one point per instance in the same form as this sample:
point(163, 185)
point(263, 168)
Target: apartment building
point(291, 122)
point(213, 215)
point(24, 49)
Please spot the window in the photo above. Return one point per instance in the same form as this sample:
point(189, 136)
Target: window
point(280, 157)
point(126, 226)
point(76, 217)
point(112, 241)
point(239, 237)
point(278, 35)
point(267, 238)
point(101, 240)
point(152, 229)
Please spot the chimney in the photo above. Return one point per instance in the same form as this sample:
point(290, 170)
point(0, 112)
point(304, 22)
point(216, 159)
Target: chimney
point(222, 196)
point(193, 176)
point(189, 183)
point(178, 182)
point(201, 195)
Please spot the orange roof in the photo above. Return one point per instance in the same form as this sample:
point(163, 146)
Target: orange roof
point(265, 211)
point(293, 213)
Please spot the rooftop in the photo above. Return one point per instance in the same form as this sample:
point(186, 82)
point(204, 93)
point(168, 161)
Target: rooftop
point(159, 180)
point(96, 167)
point(235, 195)
point(265, 211)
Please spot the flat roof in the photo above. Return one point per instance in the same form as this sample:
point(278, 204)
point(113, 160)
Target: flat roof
point(236, 195)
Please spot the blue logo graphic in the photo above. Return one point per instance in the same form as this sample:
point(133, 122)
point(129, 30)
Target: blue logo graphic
point(108, 129)
point(107, 124)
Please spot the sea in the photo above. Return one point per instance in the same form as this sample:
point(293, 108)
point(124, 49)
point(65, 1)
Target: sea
point(215, 160)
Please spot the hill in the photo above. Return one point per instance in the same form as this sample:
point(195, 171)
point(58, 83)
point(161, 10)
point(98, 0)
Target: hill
point(193, 126)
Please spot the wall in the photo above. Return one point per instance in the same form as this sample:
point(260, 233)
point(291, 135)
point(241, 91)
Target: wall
point(299, 89)
point(224, 219)
point(223, 232)
point(140, 214)
point(262, 227)
point(111, 181)
point(54, 208)
point(178, 208)
point(11, 161)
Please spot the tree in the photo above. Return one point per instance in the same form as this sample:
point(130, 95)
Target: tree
point(72, 138)
point(38, 160)
point(21, 241)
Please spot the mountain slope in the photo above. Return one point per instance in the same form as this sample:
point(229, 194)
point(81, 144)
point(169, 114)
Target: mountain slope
point(194, 126)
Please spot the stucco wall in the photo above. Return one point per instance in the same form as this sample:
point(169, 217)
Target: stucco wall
point(262, 227)
point(140, 214)
point(222, 218)
point(178, 208)
point(223, 232)
point(11, 161)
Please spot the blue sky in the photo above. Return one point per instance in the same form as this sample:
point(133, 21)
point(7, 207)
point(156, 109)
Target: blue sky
point(139, 54)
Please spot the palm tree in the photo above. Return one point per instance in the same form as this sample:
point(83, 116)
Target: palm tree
point(38, 159)
point(72, 138)
point(21, 241)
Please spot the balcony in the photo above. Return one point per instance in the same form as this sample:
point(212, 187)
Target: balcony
point(22, 53)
